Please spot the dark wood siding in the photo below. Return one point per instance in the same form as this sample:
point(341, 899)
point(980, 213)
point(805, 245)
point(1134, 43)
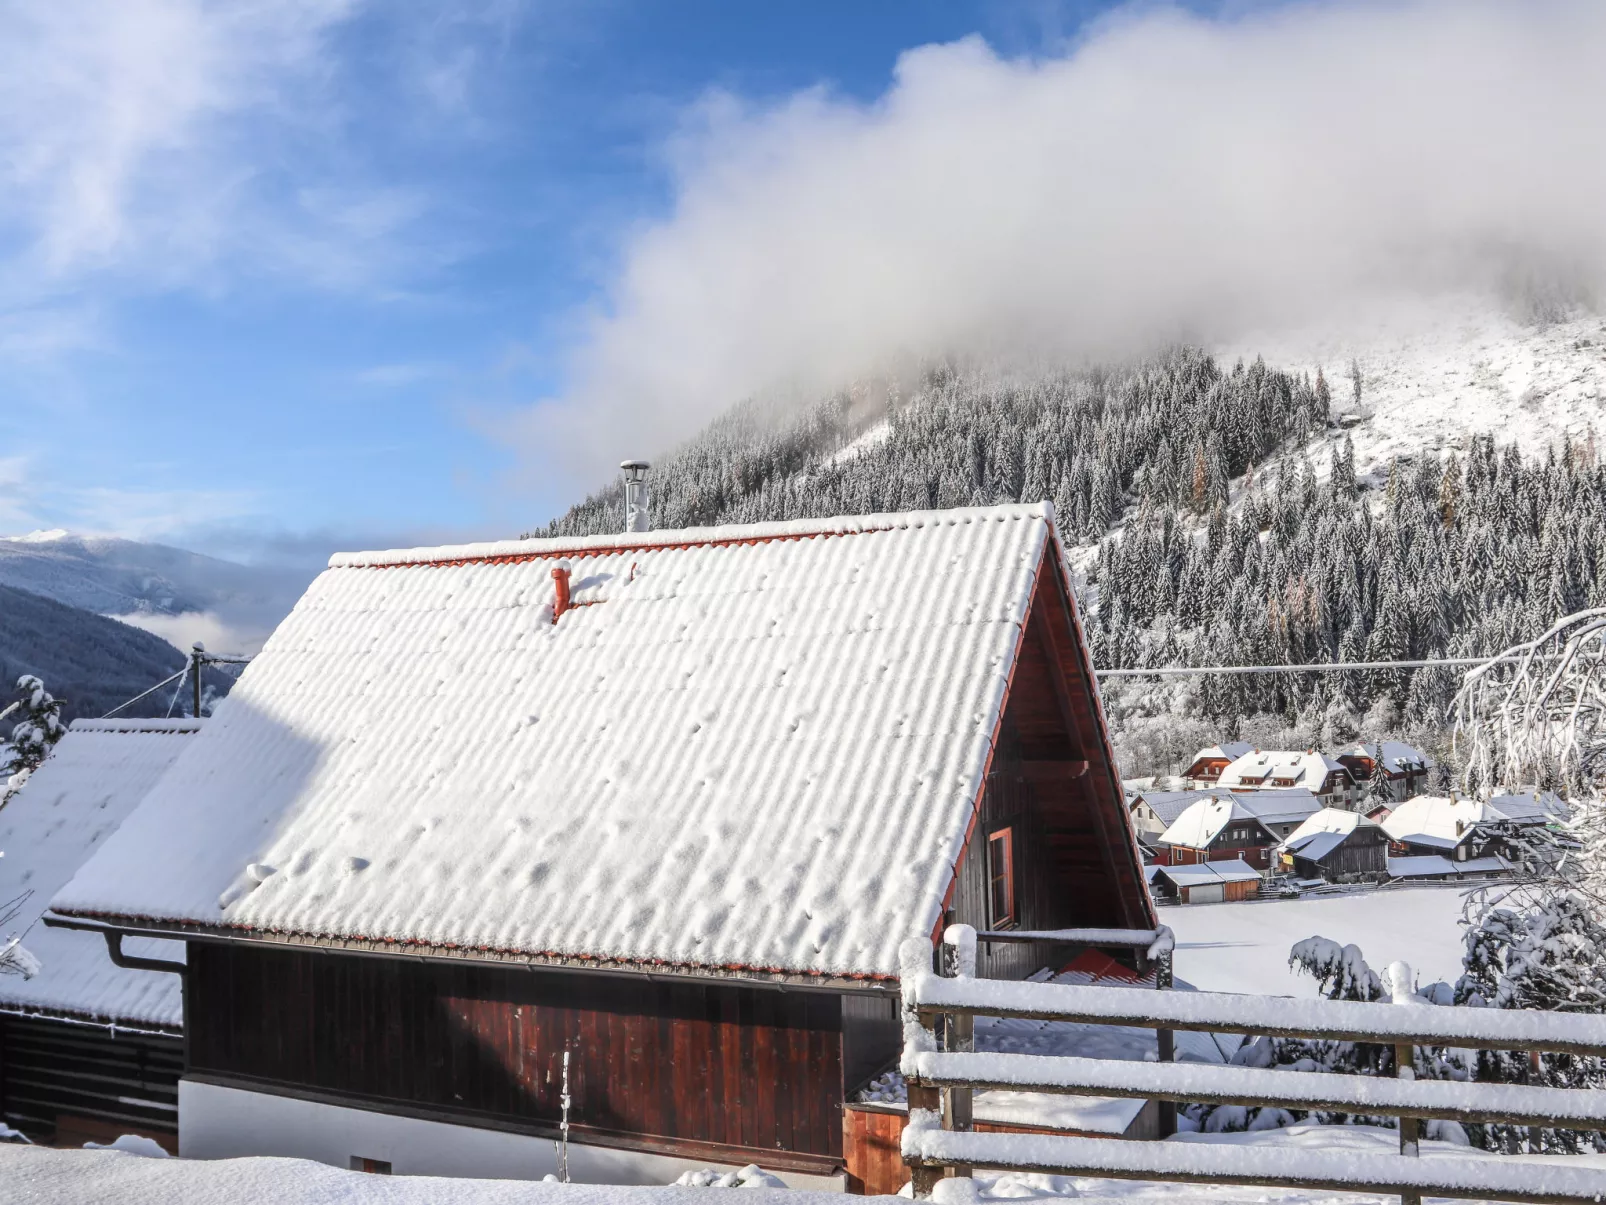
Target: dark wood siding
point(747, 1067)
point(57, 1076)
point(1076, 864)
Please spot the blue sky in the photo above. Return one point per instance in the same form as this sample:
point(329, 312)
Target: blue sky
point(279, 276)
point(292, 297)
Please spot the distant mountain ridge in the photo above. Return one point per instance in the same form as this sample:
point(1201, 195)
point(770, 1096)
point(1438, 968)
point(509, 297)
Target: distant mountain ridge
point(129, 578)
point(90, 662)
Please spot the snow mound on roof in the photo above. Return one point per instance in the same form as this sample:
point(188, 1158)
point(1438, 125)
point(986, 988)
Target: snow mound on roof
point(750, 747)
point(95, 776)
point(1201, 823)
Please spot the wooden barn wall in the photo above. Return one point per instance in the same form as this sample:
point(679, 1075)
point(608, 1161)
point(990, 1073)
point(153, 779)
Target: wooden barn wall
point(738, 1066)
point(872, 1037)
point(1075, 863)
point(68, 1083)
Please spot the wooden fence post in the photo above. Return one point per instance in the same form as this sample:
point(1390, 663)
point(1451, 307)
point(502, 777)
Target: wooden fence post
point(1166, 1042)
point(958, 1102)
point(1399, 975)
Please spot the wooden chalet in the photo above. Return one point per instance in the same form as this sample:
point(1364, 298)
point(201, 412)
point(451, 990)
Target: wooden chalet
point(666, 803)
point(1204, 771)
point(1388, 769)
point(88, 1049)
point(1336, 846)
point(1259, 770)
point(1220, 825)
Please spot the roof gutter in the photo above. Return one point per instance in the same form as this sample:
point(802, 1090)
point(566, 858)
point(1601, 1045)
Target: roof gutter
point(115, 931)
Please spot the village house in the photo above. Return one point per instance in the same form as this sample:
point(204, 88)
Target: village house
point(1322, 776)
point(88, 1049)
point(1336, 846)
point(1401, 771)
point(1205, 770)
point(1435, 837)
point(1281, 811)
point(1223, 826)
point(1206, 882)
point(645, 815)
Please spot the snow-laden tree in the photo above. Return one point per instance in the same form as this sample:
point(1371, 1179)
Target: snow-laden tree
point(1341, 973)
point(39, 728)
point(14, 956)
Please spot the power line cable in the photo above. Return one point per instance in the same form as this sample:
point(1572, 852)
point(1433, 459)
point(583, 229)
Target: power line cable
point(143, 693)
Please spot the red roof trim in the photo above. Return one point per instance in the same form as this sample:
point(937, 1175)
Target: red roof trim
point(517, 558)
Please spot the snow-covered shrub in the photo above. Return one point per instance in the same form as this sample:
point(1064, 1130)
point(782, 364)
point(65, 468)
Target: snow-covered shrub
point(1342, 973)
point(751, 1176)
point(39, 729)
point(1537, 949)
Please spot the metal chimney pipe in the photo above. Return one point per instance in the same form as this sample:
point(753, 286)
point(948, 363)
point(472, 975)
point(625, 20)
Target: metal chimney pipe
point(635, 474)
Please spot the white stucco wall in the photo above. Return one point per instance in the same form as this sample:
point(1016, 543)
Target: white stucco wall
point(218, 1123)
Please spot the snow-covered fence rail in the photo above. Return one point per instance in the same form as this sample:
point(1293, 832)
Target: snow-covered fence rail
point(940, 1084)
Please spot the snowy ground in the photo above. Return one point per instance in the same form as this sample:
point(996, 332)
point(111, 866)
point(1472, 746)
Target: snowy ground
point(1244, 947)
point(102, 1177)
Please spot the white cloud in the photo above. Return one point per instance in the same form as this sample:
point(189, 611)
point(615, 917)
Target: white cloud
point(1169, 176)
point(151, 138)
point(215, 632)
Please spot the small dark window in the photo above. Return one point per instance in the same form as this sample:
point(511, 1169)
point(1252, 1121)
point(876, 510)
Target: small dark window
point(1001, 877)
point(378, 1167)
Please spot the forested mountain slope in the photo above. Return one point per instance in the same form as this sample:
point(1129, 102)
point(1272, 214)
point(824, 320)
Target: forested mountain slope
point(1231, 521)
point(90, 662)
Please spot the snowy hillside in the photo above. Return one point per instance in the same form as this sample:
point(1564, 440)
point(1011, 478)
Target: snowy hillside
point(1235, 508)
point(1470, 369)
point(180, 596)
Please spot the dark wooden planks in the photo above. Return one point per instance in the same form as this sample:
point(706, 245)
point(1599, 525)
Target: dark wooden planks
point(744, 1066)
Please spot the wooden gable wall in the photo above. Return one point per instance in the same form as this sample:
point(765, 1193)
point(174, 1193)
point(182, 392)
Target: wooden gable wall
point(1053, 780)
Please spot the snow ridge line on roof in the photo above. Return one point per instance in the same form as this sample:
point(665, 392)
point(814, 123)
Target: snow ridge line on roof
point(185, 724)
point(513, 551)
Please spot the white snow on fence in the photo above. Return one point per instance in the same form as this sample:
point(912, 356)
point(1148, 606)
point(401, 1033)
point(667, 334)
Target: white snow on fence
point(742, 747)
point(94, 777)
point(1496, 1028)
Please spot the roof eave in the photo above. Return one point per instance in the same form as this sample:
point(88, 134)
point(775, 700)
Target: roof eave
point(774, 977)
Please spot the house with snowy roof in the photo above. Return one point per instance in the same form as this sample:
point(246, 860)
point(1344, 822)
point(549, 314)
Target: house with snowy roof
point(1281, 811)
point(1206, 882)
point(1223, 825)
point(1204, 771)
point(1322, 776)
point(1338, 846)
point(638, 821)
point(1388, 769)
point(1462, 830)
point(89, 1048)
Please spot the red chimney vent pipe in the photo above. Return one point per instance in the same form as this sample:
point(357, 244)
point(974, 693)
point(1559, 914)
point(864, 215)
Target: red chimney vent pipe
point(560, 591)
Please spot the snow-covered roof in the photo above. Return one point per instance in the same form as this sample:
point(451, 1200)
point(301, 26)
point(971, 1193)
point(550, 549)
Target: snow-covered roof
point(1433, 865)
point(1446, 823)
point(742, 747)
point(1168, 805)
point(1301, 768)
point(1330, 820)
point(1234, 870)
point(1201, 823)
point(1396, 757)
point(70, 805)
point(1230, 750)
point(1276, 806)
point(1529, 807)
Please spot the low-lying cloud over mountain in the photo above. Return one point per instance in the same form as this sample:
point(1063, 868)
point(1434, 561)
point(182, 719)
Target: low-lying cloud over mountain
point(1168, 176)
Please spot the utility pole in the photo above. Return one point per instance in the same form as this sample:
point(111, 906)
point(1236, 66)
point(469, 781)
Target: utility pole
point(197, 659)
